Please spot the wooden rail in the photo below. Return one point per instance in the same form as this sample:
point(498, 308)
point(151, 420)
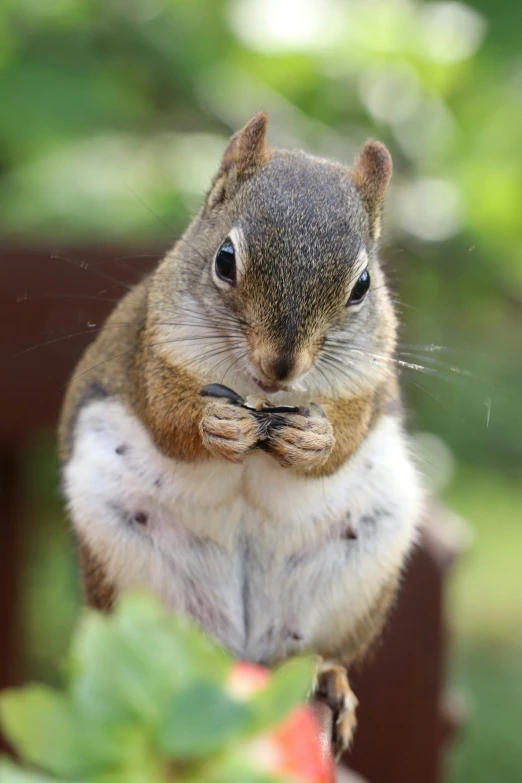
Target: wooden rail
point(404, 723)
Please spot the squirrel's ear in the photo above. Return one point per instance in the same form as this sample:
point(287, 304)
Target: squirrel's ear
point(371, 174)
point(245, 152)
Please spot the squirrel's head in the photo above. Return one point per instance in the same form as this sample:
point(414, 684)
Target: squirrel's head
point(278, 274)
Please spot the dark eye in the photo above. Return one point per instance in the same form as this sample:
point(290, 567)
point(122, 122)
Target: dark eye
point(225, 263)
point(360, 289)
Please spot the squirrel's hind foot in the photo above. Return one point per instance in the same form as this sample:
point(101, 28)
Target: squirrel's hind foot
point(333, 687)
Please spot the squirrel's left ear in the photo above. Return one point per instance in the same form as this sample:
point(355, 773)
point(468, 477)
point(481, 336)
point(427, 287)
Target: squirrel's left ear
point(371, 174)
point(245, 152)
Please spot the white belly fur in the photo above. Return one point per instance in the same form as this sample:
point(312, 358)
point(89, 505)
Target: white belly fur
point(254, 552)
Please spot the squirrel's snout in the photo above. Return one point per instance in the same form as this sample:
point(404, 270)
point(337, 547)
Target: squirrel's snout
point(279, 368)
point(282, 367)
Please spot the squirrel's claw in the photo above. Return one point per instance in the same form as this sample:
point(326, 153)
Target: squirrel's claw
point(333, 687)
point(299, 440)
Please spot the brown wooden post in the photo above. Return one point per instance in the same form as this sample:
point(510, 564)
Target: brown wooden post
point(9, 564)
point(10, 567)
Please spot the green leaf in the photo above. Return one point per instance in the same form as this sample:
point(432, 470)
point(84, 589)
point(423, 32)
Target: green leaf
point(129, 665)
point(11, 773)
point(288, 687)
point(229, 767)
point(145, 770)
point(200, 720)
point(143, 613)
point(47, 731)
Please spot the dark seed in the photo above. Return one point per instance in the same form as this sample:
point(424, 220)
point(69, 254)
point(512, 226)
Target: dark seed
point(121, 449)
point(141, 518)
point(217, 390)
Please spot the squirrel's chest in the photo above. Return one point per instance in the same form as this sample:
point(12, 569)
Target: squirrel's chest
point(268, 562)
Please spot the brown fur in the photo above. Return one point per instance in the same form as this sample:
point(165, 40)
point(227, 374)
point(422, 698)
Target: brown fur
point(245, 153)
point(98, 593)
point(371, 176)
point(350, 421)
point(108, 365)
point(171, 406)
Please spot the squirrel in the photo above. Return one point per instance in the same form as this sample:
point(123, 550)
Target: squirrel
point(278, 512)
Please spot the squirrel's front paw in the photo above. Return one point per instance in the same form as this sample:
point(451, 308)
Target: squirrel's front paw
point(228, 431)
point(303, 440)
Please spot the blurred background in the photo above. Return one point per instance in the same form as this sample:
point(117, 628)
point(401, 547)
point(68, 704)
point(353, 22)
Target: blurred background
point(114, 114)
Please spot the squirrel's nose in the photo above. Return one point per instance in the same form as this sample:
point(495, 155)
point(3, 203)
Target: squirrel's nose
point(277, 369)
point(282, 367)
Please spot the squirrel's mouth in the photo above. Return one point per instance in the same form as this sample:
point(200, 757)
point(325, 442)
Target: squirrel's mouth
point(267, 388)
point(274, 388)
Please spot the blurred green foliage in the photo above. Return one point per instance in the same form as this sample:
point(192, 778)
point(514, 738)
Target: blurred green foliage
point(148, 698)
point(489, 747)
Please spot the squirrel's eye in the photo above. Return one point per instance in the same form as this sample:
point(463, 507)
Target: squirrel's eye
point(225, 262)
point(360, 289)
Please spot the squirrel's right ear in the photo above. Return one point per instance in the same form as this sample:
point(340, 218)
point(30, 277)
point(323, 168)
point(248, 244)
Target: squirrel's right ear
point(245, 153)
point(371, 174)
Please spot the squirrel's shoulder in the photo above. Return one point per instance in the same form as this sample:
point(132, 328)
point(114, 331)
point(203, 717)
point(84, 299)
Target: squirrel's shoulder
point(108, 366)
